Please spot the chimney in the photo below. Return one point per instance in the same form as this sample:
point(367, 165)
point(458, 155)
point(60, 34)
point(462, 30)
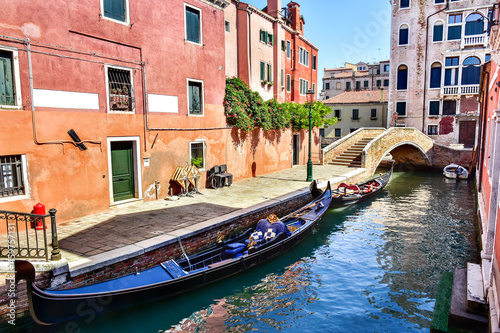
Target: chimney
point(294, 8)
point(382, 95)
point(274, 8)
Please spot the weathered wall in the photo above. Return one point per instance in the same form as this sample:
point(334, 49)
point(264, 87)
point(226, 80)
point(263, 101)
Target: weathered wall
point(340, 146)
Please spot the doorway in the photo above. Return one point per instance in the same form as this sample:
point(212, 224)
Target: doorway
point(467, 133)
point(295, 149)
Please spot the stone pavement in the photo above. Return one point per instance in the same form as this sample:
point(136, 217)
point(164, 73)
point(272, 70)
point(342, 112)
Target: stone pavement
point(128, 224)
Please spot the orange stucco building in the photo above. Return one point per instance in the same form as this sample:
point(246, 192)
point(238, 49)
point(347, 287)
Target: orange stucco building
point(101, 101)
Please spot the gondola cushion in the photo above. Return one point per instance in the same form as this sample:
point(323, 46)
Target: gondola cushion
point(257, 235)
point(270, 234)
point(234, 249)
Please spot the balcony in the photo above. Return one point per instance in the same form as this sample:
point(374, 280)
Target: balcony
point(474, 40)
point(472, 89)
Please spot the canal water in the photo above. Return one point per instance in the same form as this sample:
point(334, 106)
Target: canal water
point(374, 267)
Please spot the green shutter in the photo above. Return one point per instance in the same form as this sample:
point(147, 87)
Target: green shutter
point(270, 39)
point(283, 45)
point(262, 71)
point(193, 25)
point(6, 81)
point(269, 74)
point(265, 36)
point(115, 9)
point(288, 83)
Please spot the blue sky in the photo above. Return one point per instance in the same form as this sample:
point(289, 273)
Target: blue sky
point(345, 31)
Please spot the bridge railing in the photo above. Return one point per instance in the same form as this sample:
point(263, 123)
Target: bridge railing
point(338, 147)
point(375, 151)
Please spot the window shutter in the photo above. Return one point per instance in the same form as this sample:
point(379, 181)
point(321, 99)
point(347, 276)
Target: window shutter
point(283, 45)
point(192, 25)
point(434, 108)
point(435, 77)
point(265, 36)
point(6, 81)
point(270, 40)
point(438, 33)
point(262, 71)
point(454, 32)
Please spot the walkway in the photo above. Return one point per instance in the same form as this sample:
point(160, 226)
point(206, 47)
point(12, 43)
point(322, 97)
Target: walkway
point(95, 238)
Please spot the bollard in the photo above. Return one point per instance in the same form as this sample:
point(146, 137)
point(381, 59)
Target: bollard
point(56, 253)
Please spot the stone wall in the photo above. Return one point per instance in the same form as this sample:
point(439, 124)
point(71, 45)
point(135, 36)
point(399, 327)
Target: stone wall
point(340, 146)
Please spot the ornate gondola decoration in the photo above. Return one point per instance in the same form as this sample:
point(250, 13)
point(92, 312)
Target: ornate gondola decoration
point(224, 258)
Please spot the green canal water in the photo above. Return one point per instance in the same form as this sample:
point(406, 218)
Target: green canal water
point(374, 267)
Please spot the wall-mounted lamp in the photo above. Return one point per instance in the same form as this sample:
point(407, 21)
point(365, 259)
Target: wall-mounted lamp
point(77, 140)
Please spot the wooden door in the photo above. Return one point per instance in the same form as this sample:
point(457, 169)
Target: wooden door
point(122, 167)
point(467, 133)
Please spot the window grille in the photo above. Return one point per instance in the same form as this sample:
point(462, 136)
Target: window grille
point(11, 176)
point(120, 90)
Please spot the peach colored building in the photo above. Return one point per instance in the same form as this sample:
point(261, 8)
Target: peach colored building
point(100, 103)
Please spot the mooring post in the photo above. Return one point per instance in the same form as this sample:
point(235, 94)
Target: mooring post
point(56, 253)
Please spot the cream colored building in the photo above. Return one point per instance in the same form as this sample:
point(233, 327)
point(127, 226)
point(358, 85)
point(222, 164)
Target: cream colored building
point(437, 49)
point(356, 109)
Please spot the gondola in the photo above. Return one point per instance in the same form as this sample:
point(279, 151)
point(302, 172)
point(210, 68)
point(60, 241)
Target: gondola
point(346, 195)
point(173, 277)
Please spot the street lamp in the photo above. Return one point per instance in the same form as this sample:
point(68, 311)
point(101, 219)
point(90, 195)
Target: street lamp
point(309, 162)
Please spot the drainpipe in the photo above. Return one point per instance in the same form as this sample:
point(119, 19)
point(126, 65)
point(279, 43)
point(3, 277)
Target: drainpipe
point(425, 62)
point(482, 119)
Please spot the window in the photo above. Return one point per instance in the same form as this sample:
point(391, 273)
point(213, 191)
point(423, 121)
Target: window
point(487, 57)
point(348, 86)
point(454, 26)
point(437, 35)
point(358, 85)
point(266, 37)
point(355, 114)
point(404, 3)
point(434, 108)
point(401, 109)
point(322, 132)
point(282, 78)
point(193, 24)
point(449, 108)
point(265, 72)
point(403, 35)
point(13, 176)
point(386, 83)
point(337, 114)
point(283, 45)
point(314, 62)
point(338, 85)
point(120, 90)
point(432, 129)
point(115, 9)
point(435, 79)
point(438, 1)
point(288, 82)
point(451, 71)
point(303, 56)
point(353, 130)
point(227, 26)
point(304, 86)
point(365, 84)
point(373, 114)
point(8, 78)
point(327, 85)
point(338, 132)
point(197, 154)
point(402, 83)
point(379, 83)
point(288, 49)
point(195, 97)
point(386, 67)
point(471, 71)
point(474, 24)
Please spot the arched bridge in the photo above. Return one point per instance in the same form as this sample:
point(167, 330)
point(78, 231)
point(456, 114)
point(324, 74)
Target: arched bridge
point(367, 147)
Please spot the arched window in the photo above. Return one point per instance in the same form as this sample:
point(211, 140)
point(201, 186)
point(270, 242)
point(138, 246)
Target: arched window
point(402, 83)
point(474, 24)
point(435, 75)
point(437, 35)
point(403, 35)
point(471, 70)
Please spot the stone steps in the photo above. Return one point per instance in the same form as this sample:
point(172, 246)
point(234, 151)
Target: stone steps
point(352, 156)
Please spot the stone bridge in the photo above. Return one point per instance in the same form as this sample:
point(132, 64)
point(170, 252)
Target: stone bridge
point(366, 148)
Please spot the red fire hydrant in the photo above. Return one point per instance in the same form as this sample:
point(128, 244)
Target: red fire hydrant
point(38, 209)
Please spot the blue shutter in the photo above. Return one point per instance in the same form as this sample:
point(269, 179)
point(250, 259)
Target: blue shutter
point(193, 25)
point(115, 9)
point(435, 77)
point(474, 28)
point(434, 108)
point(403, 36)
point(402, 79)
point(470, 75)
point(455, 32)
point(401, 108)
point(438, 33)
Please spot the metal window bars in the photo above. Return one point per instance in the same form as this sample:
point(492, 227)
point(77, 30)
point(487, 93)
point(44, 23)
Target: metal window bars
point(120, 90)
point(11, 181)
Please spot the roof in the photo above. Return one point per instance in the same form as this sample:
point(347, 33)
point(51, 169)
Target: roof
point(359, 97)
point(350, 73)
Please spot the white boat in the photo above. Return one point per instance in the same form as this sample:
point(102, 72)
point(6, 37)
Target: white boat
point(455, 171)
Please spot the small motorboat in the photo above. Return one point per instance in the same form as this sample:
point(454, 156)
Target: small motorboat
point(347, 194)
point(455, 171)
point(225, 258)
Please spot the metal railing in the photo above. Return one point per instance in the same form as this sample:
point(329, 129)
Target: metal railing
point(26, 236)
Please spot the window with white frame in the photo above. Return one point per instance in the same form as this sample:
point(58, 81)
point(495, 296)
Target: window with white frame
point(193, 24)
point(451, 71)
point(337, 114)
point(434, 108)
point(10, 88)
point(266, 72)
point(432, 129)
point(303, 86)
point(265, 37)
point(282, 78)
point(13, 176)
point(355, 114)
point(303, 56)
point(437, 32)
point(338, 132)
point(195, 97)
point(288, 82)
point(197, 154)
point(115, 10)
point(404, 3)
point(401, 109)
point(227, 26)
point(403, 35)
point(435, 77)
point(455, 26)
point(120, 89)
point(474, 24)
point(288, 49)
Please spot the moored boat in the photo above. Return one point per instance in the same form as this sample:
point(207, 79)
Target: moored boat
point(347, 194)
point(455, 171)
point(268, 240)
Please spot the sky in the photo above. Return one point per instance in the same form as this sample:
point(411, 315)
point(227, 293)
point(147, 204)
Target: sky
point(344, 31)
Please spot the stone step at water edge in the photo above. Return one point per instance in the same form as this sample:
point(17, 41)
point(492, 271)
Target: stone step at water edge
point(476, 301)
point(459, 317)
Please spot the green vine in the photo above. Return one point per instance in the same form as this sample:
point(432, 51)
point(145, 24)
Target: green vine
point(246, 110)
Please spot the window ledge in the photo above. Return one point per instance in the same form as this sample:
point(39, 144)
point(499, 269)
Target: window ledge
point(373, 118)
point(14, 198)
point(11, 107)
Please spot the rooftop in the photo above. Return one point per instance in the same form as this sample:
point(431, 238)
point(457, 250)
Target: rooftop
point(359, 97)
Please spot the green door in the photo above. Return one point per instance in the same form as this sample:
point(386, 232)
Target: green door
point(122, 168)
